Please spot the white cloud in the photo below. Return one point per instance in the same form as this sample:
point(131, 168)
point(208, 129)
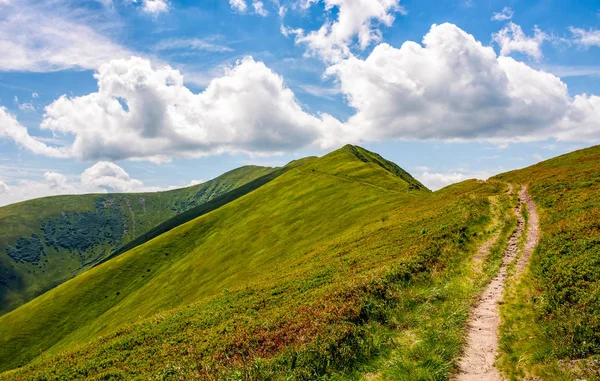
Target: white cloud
point(26, 107)
point(109, 176)
point(238, 5)
point(505, 14)
point(582, 123)
point(435, 181)
point(355, 19)
point(512, 39)
point(35, 95)
point(586, 38)
point(321, 92)
point(100, 178)
point(196, 182)
point(155, 7)
point(454, 88)
point(564, 71)
point(10, 128)
point(49, 38)
point(450, 88)
point(206, 44)
point(259, 8)
point(147, 113)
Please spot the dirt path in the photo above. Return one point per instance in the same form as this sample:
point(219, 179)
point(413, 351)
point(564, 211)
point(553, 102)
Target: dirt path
point(477, 362)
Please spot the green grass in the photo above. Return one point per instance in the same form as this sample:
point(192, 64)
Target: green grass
point(131, 215)
point(551, 316)
point(299, 278)
point(342, 268)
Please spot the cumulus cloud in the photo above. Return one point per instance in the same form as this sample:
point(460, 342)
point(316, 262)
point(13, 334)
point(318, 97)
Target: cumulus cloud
point(35, 95)
point(452, 87)
point(39, 38)
point(145, 112)
point(238, 5)
point(505, 14)
point(109, 176)
point(512, 39)
point(355, 19)
point(586, 38)
point(100, 178)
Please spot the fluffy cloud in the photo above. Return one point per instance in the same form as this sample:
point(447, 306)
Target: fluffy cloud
point(155, 7)
point(505, 14)
point(42, 38)
point(582, 123)
point(99, 178)
point(586, 38)
point(355, 19)
point(435, 181)
point(512, 39)
point(238, 5)
point(452, 87)
point(107, 175)
point(143, 112)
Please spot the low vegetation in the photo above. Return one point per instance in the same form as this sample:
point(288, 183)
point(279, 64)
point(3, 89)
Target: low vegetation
point(551, 316)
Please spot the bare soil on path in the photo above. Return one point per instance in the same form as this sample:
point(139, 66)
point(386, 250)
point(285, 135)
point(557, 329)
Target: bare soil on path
point(481, 349)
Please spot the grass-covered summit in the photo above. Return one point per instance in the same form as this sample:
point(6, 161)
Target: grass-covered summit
point(45, 241)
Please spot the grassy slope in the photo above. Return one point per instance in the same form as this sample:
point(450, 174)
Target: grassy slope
point(551, 317)
point(294, 278)
point(22, 281)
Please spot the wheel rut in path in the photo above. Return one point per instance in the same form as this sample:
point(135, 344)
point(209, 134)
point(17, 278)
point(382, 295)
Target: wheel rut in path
point(481, 349)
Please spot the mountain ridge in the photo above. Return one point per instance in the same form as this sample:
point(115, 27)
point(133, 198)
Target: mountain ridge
point(48, 240)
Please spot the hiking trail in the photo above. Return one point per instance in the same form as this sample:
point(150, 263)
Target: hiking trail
point(477, 362)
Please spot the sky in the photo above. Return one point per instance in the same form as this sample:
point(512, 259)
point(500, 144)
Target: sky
point(149, 95)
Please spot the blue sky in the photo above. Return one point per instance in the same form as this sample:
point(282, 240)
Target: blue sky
point(449, 90)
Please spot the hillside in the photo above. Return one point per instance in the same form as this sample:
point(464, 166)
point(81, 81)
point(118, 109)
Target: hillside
point(46, 241)
point(551, 328)
point(342, 267)
point(306, 265)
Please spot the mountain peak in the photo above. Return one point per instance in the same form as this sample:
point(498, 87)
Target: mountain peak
point(353, 162)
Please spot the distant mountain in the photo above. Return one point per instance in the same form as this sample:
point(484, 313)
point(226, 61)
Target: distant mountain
point(45, 241)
